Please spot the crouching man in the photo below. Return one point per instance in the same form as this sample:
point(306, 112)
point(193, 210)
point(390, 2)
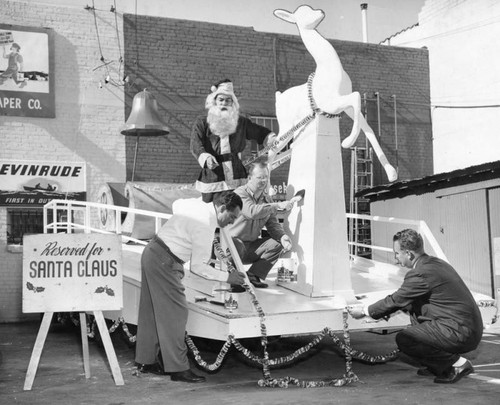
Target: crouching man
point(445, 319)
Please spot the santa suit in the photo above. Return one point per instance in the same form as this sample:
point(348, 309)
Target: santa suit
point(230, 173)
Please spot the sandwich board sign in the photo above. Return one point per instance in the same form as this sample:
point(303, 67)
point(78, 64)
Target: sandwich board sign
point(72, 273)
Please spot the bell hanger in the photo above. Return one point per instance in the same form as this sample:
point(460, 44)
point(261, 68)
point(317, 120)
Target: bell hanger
point(144, 120)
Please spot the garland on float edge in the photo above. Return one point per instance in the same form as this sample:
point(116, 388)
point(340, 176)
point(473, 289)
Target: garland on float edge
point(92, 331)
point(347, 378)
point(266, 362)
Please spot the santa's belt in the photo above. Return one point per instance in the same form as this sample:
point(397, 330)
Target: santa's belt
point(227, 157)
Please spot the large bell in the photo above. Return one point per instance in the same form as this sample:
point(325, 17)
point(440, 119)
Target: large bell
point(144, 119)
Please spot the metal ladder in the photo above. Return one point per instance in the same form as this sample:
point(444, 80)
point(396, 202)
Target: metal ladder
point(361, 178)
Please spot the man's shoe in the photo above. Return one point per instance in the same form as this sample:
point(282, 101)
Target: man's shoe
point(425, 372)
point(455, 374)
point(150, 369)
point(235, 288)
point(256, 281)
point(187, 376)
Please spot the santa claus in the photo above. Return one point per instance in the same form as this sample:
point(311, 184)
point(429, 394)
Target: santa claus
point(219, 138)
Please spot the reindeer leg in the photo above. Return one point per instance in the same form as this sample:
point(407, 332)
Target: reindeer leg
point(351, 139)
point(351, 104)
point(392, 174)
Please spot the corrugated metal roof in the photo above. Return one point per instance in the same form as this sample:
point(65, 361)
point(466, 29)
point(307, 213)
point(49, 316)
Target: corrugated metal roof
point(427, 184)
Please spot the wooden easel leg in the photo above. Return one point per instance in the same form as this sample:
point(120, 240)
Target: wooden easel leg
point(37, 350)
point(85, 344)
point(108, 346)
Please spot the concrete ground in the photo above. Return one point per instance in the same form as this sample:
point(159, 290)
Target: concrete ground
point(60, 377)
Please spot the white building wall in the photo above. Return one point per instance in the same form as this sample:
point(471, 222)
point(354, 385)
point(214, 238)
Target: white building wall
point(462, 38)
point(459, 221)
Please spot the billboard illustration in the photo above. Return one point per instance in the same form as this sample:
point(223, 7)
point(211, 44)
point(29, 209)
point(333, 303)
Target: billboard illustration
point(26, 72)
point(35, 183)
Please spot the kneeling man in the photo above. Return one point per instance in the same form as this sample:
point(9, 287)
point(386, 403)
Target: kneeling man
point(445, 319)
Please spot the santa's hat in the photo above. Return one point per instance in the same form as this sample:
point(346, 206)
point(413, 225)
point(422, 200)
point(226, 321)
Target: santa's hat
point(224, 87)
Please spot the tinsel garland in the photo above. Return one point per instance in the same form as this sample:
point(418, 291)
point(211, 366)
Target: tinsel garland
point(121, 321)
point(287, 136)
point(220, 357)
point(226, 259)
point(92, 330)
point(486, 303)
point(347, 378)
point(368, 358)
point(266, 362)
point(312, 103)
point(284, 382)
point(283, 139)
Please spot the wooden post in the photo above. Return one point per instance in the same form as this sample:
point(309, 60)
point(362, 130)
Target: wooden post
point(318, 223)
point(37, 350)
point(108, 346)
point(85, 344)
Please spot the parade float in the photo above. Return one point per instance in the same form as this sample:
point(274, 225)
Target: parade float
point(320, 278)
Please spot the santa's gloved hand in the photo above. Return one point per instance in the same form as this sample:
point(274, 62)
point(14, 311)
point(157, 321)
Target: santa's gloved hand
point(271, 138)
point(211, 162)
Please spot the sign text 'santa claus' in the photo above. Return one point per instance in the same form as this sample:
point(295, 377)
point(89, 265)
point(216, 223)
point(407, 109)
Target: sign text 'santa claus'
point(57, 267)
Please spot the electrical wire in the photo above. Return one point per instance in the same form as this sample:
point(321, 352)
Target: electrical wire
point(470, 27)
point(105, 64)
point(117, 32)
point(120, 75)
point(97, 31)
point(136, 44)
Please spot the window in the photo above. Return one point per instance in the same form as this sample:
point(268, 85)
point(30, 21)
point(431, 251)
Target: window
point(22, 221)
point(270, 123)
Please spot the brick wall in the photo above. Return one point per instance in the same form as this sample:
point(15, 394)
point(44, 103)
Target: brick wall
point(179, 60)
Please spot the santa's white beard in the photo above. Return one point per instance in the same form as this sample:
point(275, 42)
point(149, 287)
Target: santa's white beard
point(222, 122)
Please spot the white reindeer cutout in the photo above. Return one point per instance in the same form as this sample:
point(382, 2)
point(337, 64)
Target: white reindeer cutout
point(331, 88)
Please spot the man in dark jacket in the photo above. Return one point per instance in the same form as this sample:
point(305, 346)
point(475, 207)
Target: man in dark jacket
point(445, 319)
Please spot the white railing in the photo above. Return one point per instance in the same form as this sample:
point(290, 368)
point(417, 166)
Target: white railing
point(77, 216)
point(421, 227)
point(80, 216)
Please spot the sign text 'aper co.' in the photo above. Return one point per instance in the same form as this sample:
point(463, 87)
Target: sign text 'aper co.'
point(15, 103)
